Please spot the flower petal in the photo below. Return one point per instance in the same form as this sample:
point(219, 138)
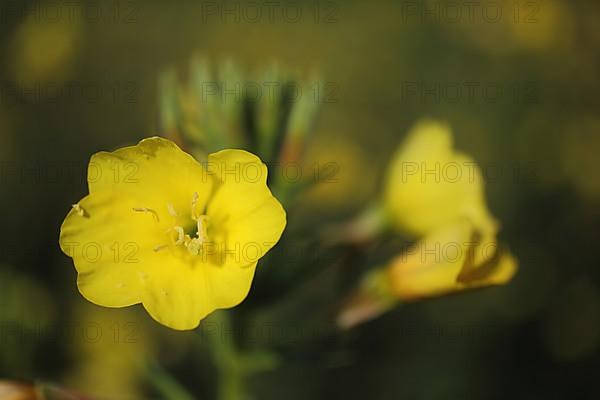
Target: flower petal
point(155, 171)
point(447, 262)
point(113, 249)
point(110, 245)
point(246, 216)
point(180, 300)
point(496, 271)
point(430, 185)
point(432, 266)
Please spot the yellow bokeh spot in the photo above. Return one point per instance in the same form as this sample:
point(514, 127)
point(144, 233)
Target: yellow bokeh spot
point(44, 50)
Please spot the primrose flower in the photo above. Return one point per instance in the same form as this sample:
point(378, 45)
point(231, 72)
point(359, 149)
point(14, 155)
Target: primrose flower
point(435, 194)
point(161, 229)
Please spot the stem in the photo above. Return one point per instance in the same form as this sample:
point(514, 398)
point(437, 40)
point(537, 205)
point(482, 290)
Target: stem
point(364, 228)
point(234, 366)
point(226, 359)
point(165, 384)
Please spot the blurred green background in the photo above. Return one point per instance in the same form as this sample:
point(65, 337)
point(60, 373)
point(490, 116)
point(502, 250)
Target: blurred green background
point(543, 134)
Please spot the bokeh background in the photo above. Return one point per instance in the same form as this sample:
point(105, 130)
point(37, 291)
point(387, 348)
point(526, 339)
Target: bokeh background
point(543, 134)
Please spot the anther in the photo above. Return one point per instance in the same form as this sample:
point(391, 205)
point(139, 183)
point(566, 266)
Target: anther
point(180, 235)
point(79, 210)
point(194, 246)
point(147, 210)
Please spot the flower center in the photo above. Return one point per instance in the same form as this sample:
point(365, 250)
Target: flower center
point(193, 243)
point(192, 238)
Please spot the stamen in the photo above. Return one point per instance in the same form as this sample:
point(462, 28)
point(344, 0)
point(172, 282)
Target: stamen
point(147, 210)
point(171, 210)
point(194, 202)
point(160, 247)
point(194, 246)
point(79, 210)
point(180, 235)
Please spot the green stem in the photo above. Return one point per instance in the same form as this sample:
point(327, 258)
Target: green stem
point(226, 359)
point(165, 384)
point(234, 366)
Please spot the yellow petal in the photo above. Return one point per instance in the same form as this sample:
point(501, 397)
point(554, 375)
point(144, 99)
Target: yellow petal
point(496, 271)
point(429, 185)
point(180, 300)
point(428, 140)
point(110, 245)
point(431, 267)
point(113, 249)
point(155, 172)
point(444, 262)
point(245, 215)
point(484, 248)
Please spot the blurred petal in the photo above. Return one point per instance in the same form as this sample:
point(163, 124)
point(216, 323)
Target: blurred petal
point(496, 271)
point(429, 185)
point(432, 266)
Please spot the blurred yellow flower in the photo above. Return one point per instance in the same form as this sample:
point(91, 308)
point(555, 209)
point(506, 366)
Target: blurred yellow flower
point(436, 194)
point(44, 50)
point(549, 26)
point(335, 165)
point(161, 229)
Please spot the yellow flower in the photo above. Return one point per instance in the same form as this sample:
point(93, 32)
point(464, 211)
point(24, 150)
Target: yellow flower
point(437, 195)
point(429, 184)
point(44, 50)
point(161, 229)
